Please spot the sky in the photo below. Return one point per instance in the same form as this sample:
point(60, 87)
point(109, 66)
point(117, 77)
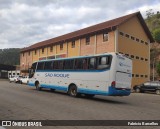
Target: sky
point(25, 22)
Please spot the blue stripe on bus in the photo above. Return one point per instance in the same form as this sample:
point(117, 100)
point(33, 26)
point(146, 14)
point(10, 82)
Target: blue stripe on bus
point(63, 88)
point(31, 84)
point(111, 91)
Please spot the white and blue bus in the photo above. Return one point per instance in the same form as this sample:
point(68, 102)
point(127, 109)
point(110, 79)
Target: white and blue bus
point(107, 74)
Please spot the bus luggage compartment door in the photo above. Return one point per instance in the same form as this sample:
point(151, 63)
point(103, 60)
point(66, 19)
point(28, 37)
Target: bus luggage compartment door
point(123, 80)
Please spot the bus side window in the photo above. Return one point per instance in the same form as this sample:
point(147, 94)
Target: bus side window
point(92, 63)
point(40, 66)
point(48, 65)
point(103, 62)
point(68, 64)
point(58, 65)
point(85, 63)
point(55, 65)
point(78, 64)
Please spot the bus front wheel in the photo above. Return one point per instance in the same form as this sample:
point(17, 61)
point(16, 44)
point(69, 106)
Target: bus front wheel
point(72, 91)
point(38, 86)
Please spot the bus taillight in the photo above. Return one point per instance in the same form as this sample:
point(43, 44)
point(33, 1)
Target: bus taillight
point(113, 84)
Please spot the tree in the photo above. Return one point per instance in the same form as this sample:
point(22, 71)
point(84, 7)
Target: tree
point(156, 35)
point(149, 13)
point(158, 68)
point(10, 56)
point(153, 54)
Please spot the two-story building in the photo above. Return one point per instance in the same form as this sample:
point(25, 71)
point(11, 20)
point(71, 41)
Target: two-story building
point(127, 34)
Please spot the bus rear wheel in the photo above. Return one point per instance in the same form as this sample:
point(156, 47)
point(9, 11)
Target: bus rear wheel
point(72, 91)
point(38, 86)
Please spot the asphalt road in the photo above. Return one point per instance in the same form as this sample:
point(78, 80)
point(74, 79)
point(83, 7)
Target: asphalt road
point(22, 102)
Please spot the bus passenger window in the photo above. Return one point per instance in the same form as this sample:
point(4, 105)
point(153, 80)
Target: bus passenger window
point(92, 63)
point(103, 62)
point(55, 65)
point(48, 65)
point(68, 64)
point(40, 66)
point(85, 64)
point(79, 64)
point(58, 65)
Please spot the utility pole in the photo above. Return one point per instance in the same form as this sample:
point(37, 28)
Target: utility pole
point(153, 68)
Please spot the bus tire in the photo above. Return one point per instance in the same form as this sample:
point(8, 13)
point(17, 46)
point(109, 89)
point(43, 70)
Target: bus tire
point(72, 91)
point(38, 86)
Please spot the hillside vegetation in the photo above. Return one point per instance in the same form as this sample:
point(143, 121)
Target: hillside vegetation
point(10, 56)
point(153, 23)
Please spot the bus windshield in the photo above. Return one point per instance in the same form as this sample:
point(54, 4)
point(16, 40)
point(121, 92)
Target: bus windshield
point(32, 70)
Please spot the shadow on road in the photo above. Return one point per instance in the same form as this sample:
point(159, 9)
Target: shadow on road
point(96, 98)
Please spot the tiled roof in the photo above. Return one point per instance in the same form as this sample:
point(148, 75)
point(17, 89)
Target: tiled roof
point(108, 25)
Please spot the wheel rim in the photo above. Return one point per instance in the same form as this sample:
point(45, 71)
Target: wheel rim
point(37, 86)
point(137, 90)
point(73, 92)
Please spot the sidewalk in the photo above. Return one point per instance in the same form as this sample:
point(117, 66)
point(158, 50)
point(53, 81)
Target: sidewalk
point(2, 79)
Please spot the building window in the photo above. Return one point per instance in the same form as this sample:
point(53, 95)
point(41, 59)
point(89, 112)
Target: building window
point(142, 41)
point(61, 46)
point(137, 75)
point(133, 38)
point(132, 56)
point(35, 52)
point(51, 49)
point(121, 33)
point(146, 59)
point(142, 58)
point(87, 40)
point(146, 76)
point(132, 75)
point(105, 37)
point(29, 53)
point(137, 40)
point(42, 50)
point(137, 57)
point(127, 35)
point(146, 43)
point(141, 75)
point(73, 44)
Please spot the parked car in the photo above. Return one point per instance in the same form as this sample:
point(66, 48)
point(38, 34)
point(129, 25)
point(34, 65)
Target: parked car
point(148, 86)
point(17, 79)
point(11, 79)
point(24, 80)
